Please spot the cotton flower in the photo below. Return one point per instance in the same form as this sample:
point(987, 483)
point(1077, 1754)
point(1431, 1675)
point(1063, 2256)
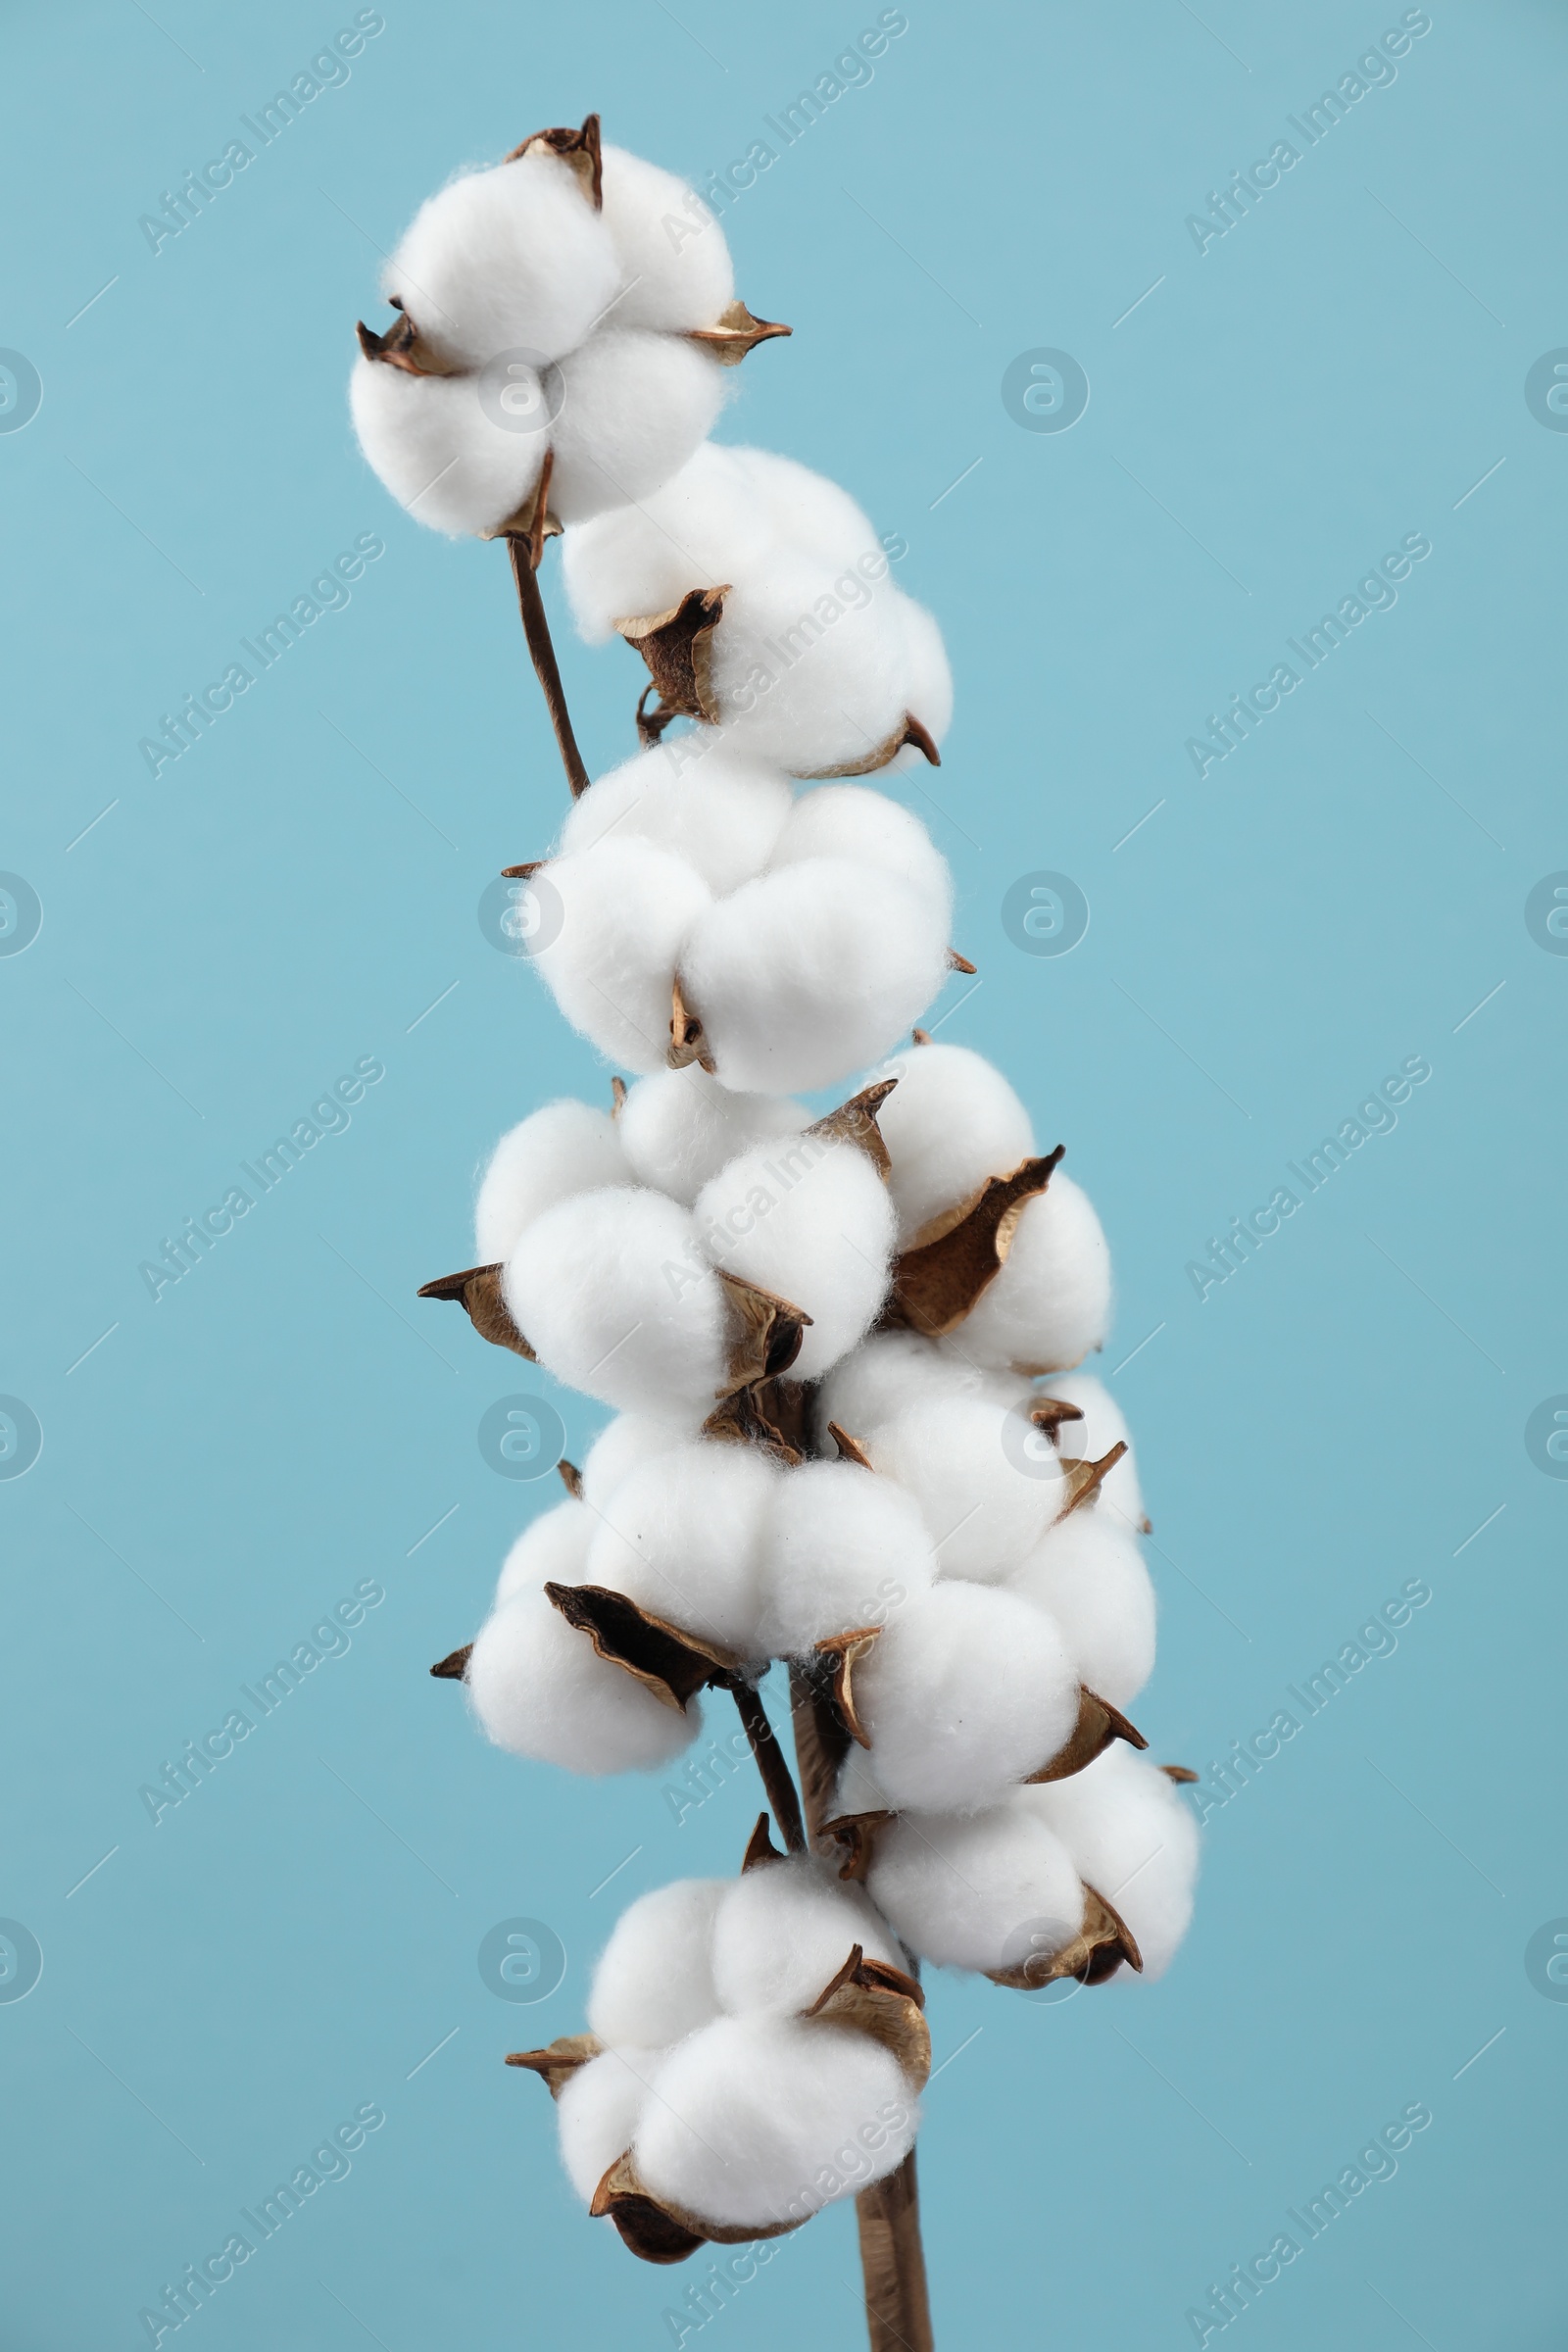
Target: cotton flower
point(551, 332)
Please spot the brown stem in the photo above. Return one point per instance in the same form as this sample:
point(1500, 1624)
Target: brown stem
point(536, 628)
point(898, 2313)
point(770, 1763)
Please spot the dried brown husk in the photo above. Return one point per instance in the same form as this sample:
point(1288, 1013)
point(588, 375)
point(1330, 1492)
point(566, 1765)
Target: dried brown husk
point(854, 1122)
point(1082, 1481)
point(671, 1663)
point(1098, 1723)
point(571, 1477)
point(840, 1655)
point(688, 1040)
point(874, 1997)
point(677, 646)
point(849, 1448)
point(1181, 1773)
point(908, 730)
point(734, 333)
point(404, 346)
point(560, 2060)
point(766, 1333)
point(855, 1835)
point(580, 150)
point(936, 1283)
point(656, 2232)
point(746, 1417)
point(1094, 1954)
point(454, 1667)
point(477, 1290)
point(759, 1846)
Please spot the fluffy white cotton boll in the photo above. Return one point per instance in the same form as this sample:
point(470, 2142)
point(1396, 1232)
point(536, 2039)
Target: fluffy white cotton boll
point(611, 1292)
point(850, 821)
point(633, 408)
point(554, 1550)
point(966, 1691)
point(682, 1536)
point(951, 1124)
point(1089, 1574)
point(783, 1931)
point(757, 2115)
point(894, 1369)
point(985, 1893)
point(705, 529)
point(1133, 1840)
point(625, 912)
point(598, 2112)
point(654, 1982)
point(812, 513)
point(511, 258)
point(986, 1497)
point(621, 1446)
point(565, 1149)
point(540, 1690)
point(808, 666)
point(843, 1548)
point(1051, 1302)
point(930, 679)
point(810, 1218)
point(680, 1127)
point(722, 815)
point(433, 446)
point(1091, 1439)
point(675, 264)
point(807, 974)
point(857, 1788)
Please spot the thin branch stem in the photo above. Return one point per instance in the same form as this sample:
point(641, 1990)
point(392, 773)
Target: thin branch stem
point(783, 1802)
point(536, 628)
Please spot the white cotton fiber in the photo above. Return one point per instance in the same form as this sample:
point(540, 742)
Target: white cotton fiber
point(613, 1295)
point(968, 1691)
point(598, 2112)
point(951, 1124)
point(621, 1446)
point(851, 820)
point(434, 448)
point(654, 1981)
point(807, 974)
point(565, 1149)
point(675, 266)
point(977, 1486)
point(703, 529)
point(1133, 1840)
point(857, 1788)
point(766, 2119)
point(810, 667)
point(680, 1127)
point(810, 1218)
point(1051, 1302)
point(930, 680)
point(895, 1369)
point(625, 910)
point(811, 513)
point(722, 815)
point(552, 1551)
point(1088, 1573)
point(842, 1548)
point(783, 1931)
point(540, 1690)
point(634, 406)
point(1092, 1437)
point(682, 1536)
point(986, 1893)
point(511, 259)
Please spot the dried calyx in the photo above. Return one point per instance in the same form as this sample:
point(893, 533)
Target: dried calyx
point(1093, 1955)
point(957, 1258)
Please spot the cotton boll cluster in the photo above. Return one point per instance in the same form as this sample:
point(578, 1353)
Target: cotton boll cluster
point(734, 2108)
point(815, 660)
point(680, 1127)
point(803, 935)
point(547, 315)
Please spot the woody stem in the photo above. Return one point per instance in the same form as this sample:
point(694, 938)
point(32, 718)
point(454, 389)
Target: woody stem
point(783, 1802)
point(536, 628)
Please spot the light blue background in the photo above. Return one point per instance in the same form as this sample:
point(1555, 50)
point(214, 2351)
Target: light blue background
point(297, 891)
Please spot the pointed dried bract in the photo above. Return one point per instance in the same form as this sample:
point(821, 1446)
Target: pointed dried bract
point(677, 647)
point(759, 1846)
point(842, 1654)
point(876, 1999)
point(454, 1667)
point(579, 149)
point(402, 347)
point(688, 1041)
point(571, 1477)
point(959, 963)
point(659, 2232)
point(735, 332)
point(854, 1122)
point(855, 1835)
point(477, 1289)
point(766, 1332)
point(1094, 1954)
point(911, 731)
point(849, 1448)
point(559, 2061)
point(920, 1036)
point(1050, 1412)
point(1080, 1482)
point(1181, 1773)
point(530, 522)
point(672, 1664)
point(1098, 1723)
point(935, 1285)
point(617, 1096)
point(742, 1419)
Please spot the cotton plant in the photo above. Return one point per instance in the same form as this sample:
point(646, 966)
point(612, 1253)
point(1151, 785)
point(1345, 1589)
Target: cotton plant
point(852, 1433)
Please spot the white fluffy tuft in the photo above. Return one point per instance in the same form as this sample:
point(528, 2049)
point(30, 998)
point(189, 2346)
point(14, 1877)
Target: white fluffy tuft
point(809, 1218)
point(511, 259)
point(626, 909)
point(843, 1548)
point(895, 1369)
point(540, 1690)
point(680, 1127)
point(982, 1894)
point(552, 1551)
point(654, 1982)
point(1051, 1302)
point(722, 815)
point(683, 1536)
point(1089, 1574)
point(676, 268)
point(783, 1931)
point(1135, 1841)
point(986, 1497)
point(1091, 1439)
point(563, 1148)
point(598, 2110)
point(950, 1124)
point(633, 408)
